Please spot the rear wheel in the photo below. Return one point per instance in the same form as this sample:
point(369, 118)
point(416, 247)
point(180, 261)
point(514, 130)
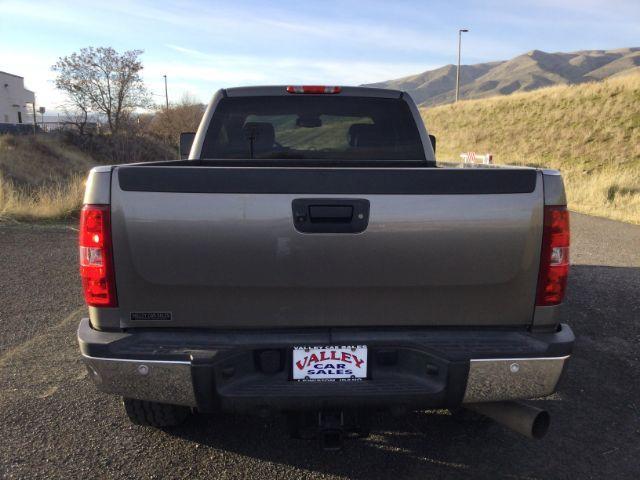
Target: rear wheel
point(154, 414)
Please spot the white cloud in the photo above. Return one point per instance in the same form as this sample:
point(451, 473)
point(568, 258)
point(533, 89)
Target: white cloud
point(274, 26)
point(298, 45)
point(208, 72)
point(201, 73)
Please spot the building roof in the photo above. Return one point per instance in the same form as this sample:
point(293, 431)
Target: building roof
point(11, 74)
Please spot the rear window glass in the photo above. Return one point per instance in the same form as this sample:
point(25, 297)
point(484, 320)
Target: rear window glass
point(313, 127)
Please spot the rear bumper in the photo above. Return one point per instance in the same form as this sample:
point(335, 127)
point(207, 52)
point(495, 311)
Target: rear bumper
point(250, 371)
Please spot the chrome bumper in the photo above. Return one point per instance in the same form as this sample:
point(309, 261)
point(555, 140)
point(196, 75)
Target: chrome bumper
point(489, 380)
point(153, 380)
point(498, 379)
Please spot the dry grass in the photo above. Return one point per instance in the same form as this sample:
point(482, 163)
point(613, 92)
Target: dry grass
point(37, 160)
point(48, 202)
point(612, 192)
point(41, 178)
point(591, 132)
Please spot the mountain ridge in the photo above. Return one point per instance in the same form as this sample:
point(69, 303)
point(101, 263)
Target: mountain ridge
point(528, 71)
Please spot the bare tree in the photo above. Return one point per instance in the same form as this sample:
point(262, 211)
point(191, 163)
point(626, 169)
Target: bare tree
point(77, 108)
point(104, 81)
point(76, 116)
point(184, 116)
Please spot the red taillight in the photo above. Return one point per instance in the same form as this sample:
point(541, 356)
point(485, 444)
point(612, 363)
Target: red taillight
point(96, 262)
point(554, 259)
point(313, 89)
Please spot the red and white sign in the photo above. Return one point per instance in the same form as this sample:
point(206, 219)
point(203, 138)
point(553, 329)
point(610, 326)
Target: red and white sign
point(330, 363)
point(471, 157)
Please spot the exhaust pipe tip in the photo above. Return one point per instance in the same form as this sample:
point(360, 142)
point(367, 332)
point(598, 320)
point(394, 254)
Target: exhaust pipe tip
point(524, 419)
point(540, 425)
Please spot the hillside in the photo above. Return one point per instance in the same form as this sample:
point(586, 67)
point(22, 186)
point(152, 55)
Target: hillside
point(40, 160)
point(525, 72)
point(42, 176)
point(591, 132)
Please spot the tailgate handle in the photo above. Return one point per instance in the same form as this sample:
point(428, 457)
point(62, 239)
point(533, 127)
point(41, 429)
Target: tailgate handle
point(330, 215)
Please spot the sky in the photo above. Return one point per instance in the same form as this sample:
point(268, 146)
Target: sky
point(205, 45)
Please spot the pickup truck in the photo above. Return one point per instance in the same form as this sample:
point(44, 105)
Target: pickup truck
point(311, 258)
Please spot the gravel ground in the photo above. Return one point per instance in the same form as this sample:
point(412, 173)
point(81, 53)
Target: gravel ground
point(55, 424)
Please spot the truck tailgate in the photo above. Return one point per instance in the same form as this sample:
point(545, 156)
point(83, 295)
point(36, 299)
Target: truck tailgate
point(216, 247)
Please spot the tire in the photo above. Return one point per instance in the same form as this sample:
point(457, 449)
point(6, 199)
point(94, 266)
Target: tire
point(154, 414)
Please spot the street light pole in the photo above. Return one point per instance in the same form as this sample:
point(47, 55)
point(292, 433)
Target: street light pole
point(166, 92)
point(458, 70)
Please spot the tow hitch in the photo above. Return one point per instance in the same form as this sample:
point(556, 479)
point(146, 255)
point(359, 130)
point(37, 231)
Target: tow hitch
point(331, 427)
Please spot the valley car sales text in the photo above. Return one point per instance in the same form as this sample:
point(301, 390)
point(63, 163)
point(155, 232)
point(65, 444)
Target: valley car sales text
point(331, 363)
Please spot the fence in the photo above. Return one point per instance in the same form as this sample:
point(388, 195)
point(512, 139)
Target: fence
point(17, 128)
point(46, 127)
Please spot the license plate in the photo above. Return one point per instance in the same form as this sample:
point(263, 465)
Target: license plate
point(343, 363)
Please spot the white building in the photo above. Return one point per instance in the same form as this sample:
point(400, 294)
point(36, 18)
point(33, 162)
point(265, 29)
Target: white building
point(14, 99)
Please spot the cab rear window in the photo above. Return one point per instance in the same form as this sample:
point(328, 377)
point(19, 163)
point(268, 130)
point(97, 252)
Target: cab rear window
point(312, 127)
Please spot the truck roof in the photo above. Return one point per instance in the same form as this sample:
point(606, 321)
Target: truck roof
point(272, 90)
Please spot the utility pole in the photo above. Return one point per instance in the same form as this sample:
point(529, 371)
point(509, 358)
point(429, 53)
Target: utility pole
point(34, 115)
point(458, 70)
point(166, 92)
